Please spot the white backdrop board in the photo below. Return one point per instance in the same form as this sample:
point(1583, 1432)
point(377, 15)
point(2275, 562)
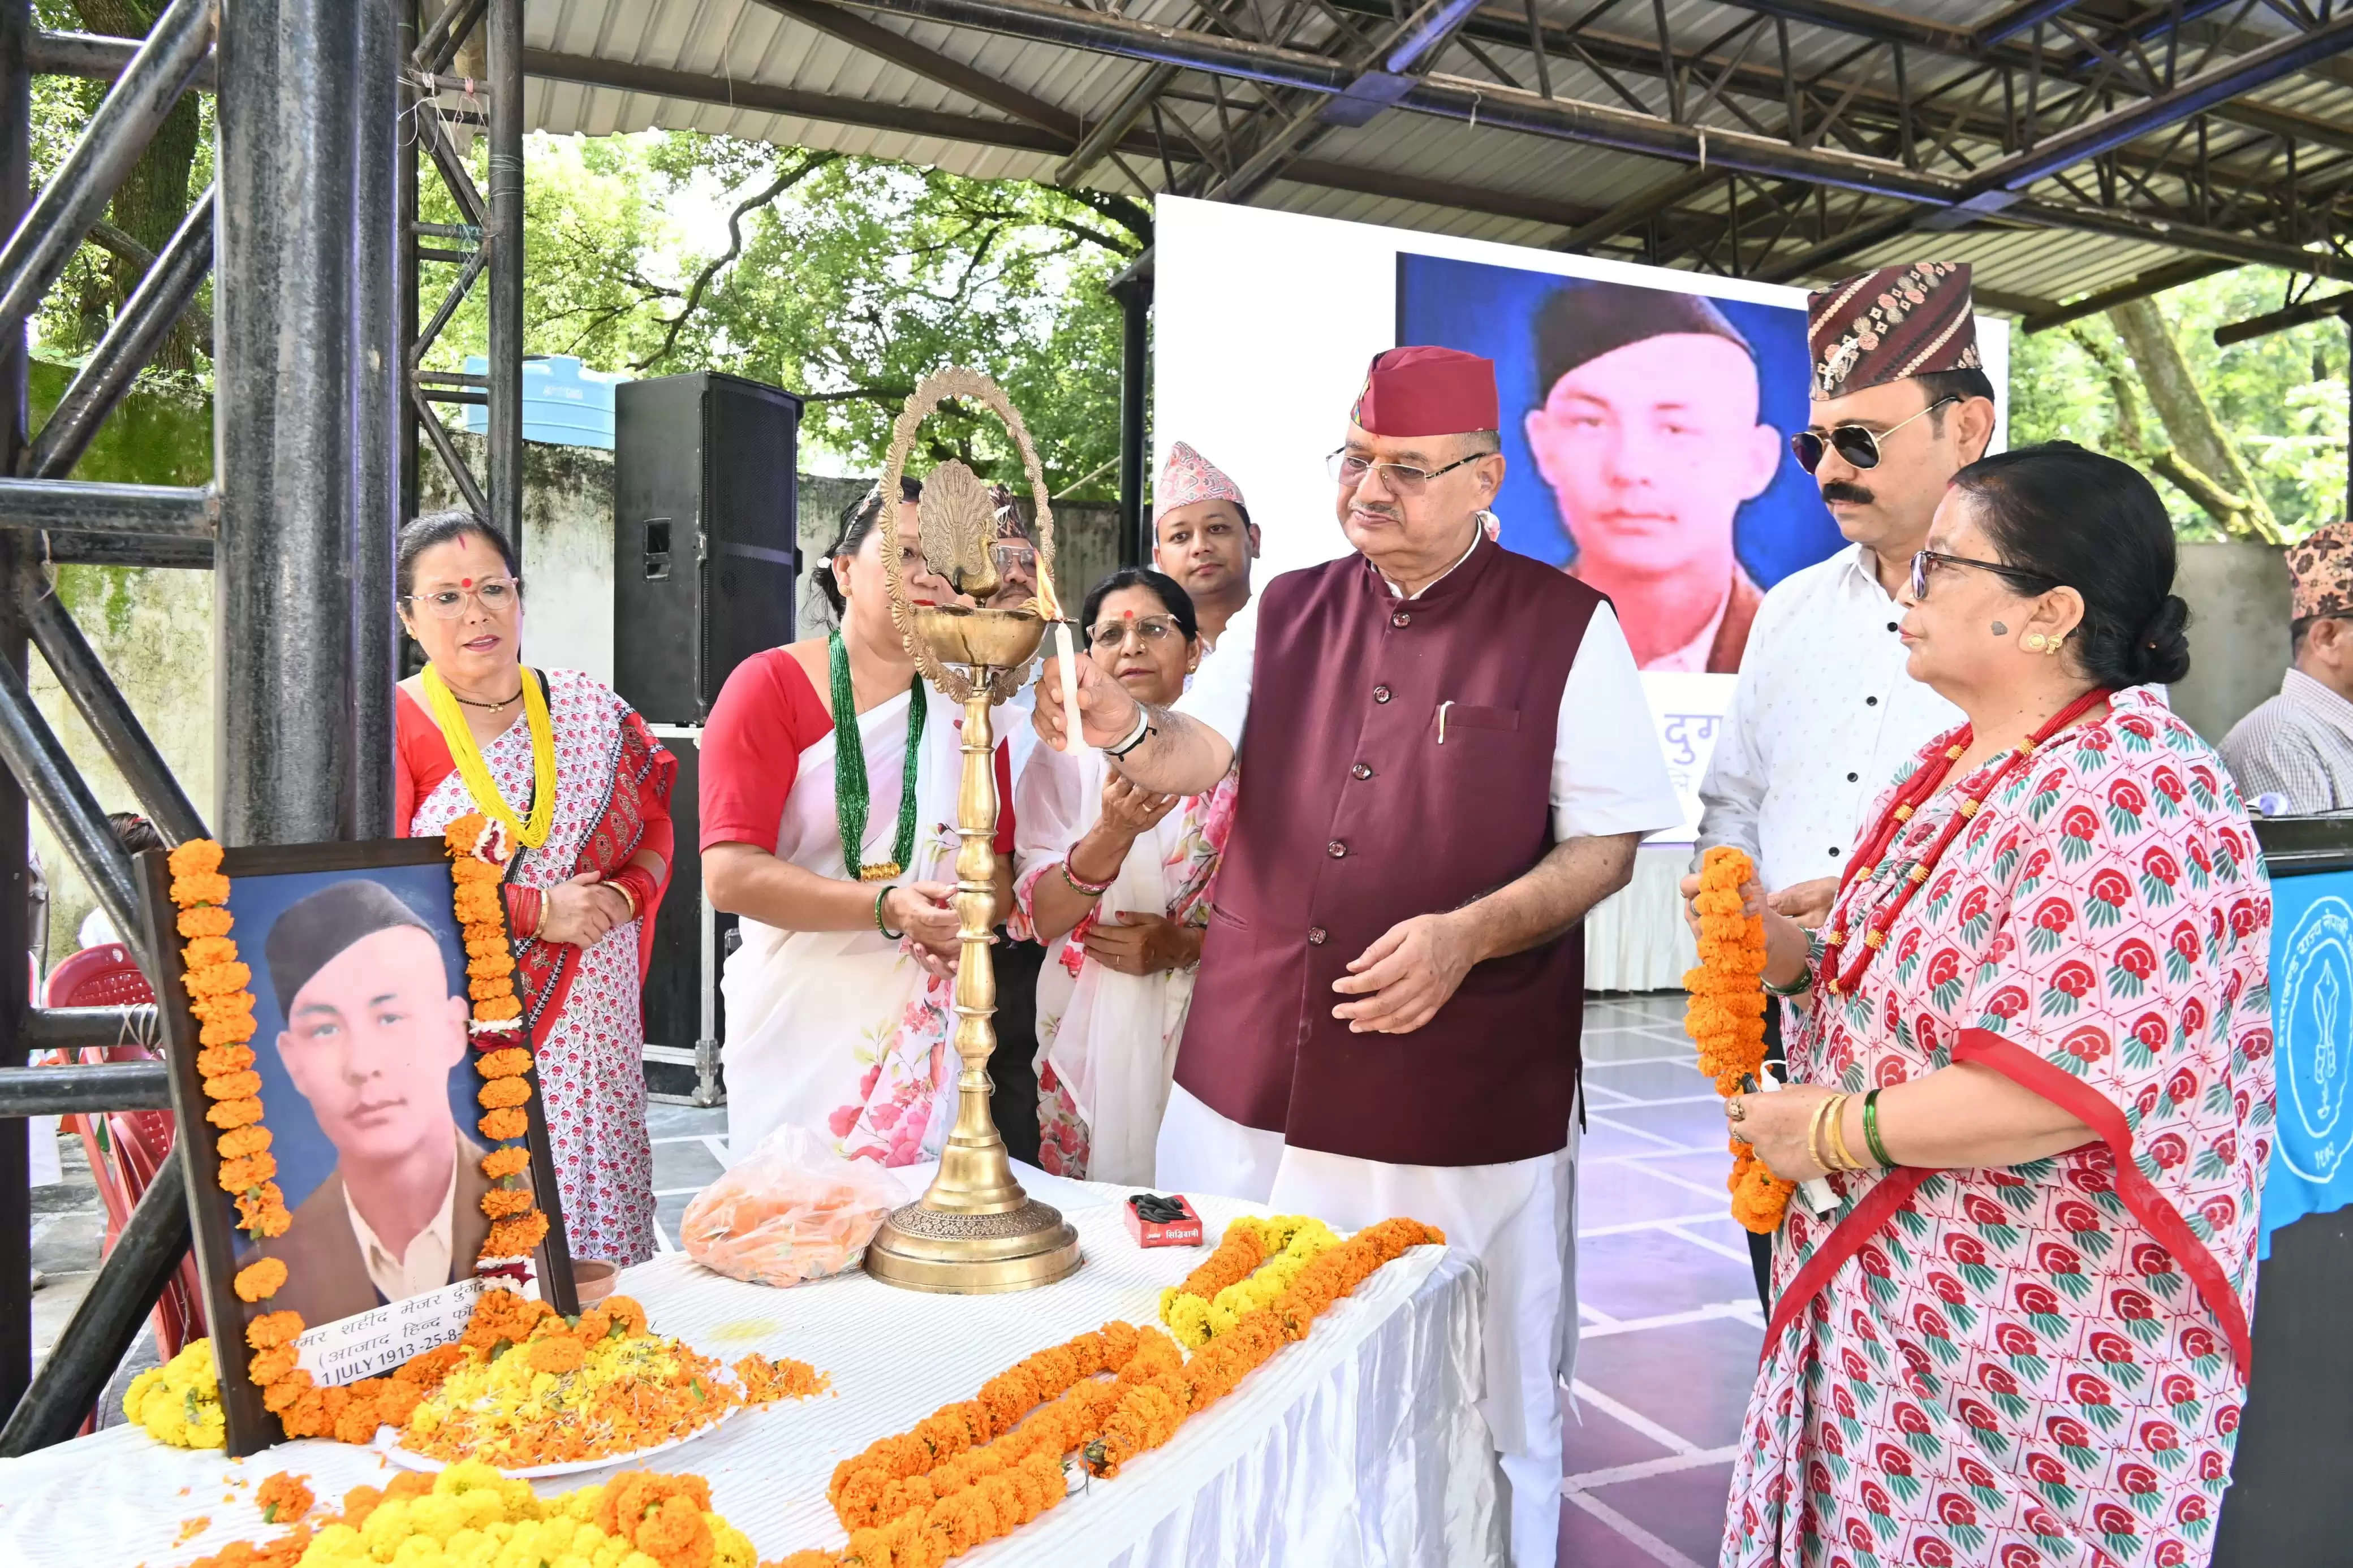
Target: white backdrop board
point(1264, 323)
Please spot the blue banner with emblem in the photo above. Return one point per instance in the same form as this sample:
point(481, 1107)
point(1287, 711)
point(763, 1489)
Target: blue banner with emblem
point(2312, 1029)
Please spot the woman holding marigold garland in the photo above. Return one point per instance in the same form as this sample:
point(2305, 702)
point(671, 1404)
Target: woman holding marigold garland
point(2034, 1059)
point(583, 787)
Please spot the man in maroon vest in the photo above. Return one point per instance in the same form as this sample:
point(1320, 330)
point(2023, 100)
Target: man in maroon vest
point(1446, 761)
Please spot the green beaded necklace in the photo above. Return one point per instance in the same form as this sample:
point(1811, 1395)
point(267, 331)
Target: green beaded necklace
point(849, 772)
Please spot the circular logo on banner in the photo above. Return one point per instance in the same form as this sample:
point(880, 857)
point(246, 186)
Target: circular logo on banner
point(2313, 1009)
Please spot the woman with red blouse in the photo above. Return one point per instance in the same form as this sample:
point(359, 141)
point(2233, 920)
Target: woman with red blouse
point(829, 772)
point(585, 789)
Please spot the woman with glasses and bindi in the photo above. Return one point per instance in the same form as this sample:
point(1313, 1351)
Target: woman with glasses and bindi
point(583, 789)
point(1115, 879)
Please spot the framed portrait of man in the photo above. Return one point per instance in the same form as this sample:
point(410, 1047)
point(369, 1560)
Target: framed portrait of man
point(369, 1092)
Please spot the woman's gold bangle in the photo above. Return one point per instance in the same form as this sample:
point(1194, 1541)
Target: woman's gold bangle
point(1814, 1133)
point(1846, 1159)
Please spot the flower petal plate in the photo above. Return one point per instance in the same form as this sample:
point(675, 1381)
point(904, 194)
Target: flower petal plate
point(387, 1443)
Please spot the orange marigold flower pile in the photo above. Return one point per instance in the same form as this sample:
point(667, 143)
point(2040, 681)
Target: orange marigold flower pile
point(478, 850)
point(1726, 1018)
point(917, 1500)
point(1240, 1252)
point(283, 1499)
point(215, 980)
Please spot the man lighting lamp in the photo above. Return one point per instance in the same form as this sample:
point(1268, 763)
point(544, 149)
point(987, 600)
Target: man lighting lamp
point(1446, 762)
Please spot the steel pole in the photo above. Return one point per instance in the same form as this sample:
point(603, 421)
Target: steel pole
point(16, 839)
point(383, 312)
point(1134, 294)
point(85, 1086)
point(41, 769)
point(149, 86)
point(503, 23)
point(100, 1333)
point(284, 437)
point(100, 704)
point(147, 318)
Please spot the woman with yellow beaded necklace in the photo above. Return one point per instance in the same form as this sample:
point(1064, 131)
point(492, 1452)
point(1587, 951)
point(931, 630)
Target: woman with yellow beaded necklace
point(584, 788)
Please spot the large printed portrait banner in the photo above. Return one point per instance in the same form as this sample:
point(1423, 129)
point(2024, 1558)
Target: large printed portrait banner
point(1646, 416)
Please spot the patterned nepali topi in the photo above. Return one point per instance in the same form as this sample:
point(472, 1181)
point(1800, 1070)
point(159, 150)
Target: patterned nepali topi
point(1189, 477)
point(1422, 391)
point(2321, 564)
point(1891, 323)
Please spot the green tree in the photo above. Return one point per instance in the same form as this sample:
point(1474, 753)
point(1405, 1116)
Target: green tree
point(2277, 449)
point(842, 279)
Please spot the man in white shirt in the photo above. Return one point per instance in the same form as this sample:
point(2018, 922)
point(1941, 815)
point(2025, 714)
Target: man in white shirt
point(371, 1033)
point(2295, 753)
point(1824, 717)
point(1446, 762)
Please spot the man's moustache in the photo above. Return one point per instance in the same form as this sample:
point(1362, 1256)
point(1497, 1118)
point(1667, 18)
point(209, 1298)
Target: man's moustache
point(1839, 489)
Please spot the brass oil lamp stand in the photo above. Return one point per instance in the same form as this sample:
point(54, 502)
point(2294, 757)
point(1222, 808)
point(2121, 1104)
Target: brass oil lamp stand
point(975, 1231)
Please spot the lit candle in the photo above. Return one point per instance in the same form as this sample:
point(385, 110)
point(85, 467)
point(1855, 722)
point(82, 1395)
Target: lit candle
point(1065, 656)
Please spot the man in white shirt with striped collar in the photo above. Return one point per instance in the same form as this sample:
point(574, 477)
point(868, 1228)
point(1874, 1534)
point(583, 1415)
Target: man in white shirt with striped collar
point(1824, 715)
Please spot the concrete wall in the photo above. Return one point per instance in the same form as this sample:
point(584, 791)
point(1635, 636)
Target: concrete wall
point(2238, 596)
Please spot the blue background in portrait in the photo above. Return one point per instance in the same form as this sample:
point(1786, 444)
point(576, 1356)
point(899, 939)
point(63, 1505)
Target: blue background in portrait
point(1490, 310)
point(2312, 1167)
point(304, 1155)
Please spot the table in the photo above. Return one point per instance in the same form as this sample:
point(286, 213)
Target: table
point(1360, 1445)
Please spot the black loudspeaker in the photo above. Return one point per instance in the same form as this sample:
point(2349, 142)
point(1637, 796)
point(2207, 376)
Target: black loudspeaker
point(685, 1018)
point(705, 536)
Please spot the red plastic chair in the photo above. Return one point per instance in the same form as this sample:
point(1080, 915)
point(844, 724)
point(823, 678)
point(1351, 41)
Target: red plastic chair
point(137, 1142)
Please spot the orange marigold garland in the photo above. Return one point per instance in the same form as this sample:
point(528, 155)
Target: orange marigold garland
point(479, 850)
point(215, 982)
point(927, 1505)
point(1726, 1018)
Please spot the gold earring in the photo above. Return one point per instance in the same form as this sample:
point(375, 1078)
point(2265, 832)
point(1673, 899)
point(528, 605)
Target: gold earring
point(2035, 642)
point(2051, 645)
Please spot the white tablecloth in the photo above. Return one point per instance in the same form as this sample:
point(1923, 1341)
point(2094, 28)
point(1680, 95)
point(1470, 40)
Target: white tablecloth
point(1635, 939)
point(1357, 1445)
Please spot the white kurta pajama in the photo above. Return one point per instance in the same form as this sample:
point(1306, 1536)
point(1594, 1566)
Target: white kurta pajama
point(1608, 777)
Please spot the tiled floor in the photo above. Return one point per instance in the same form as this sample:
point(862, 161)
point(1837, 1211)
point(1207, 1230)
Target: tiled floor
point(1670, 1327)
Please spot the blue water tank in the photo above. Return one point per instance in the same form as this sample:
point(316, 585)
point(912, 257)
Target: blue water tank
point(564, 404)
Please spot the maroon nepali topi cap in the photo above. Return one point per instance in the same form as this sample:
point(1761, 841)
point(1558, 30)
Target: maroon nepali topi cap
point(1422, 391)
point(1889, 324)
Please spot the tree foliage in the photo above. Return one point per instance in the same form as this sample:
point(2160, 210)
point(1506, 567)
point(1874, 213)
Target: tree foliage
point(843, 278)
point(2280, 400)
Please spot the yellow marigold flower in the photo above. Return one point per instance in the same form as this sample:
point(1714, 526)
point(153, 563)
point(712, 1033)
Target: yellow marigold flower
point(259, 1281)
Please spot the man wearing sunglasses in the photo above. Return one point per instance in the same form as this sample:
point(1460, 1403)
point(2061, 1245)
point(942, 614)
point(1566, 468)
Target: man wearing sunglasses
point(1446, 761)
point(1824, 715)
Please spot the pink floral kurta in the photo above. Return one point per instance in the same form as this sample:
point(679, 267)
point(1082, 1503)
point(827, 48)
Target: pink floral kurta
point(2041, 1364)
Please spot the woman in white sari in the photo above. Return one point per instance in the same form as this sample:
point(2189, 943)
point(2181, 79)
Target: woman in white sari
point(1115, 882)
point(828, 799)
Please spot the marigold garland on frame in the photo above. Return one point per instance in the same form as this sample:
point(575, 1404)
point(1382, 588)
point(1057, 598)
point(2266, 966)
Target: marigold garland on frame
point(1726, 1018)
point(215, 982)
point(479, 849)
